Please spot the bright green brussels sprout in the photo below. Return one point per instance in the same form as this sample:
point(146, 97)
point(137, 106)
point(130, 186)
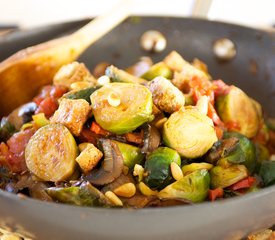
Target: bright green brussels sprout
point(193, 187)
point(189, 132)
point(267, 172)
point(84, 195)
point(189, 168)
point(236, 107)
point(122, 107)
point(244, 151)
point(159, 69)
point(225, 176)
point(157, 167)
point(131, 155)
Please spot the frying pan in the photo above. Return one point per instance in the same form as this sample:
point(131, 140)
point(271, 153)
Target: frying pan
point(253, 70)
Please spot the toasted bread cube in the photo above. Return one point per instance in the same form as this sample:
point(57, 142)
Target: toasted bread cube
point(73, 73)
point(72, 114)
point(89, 157)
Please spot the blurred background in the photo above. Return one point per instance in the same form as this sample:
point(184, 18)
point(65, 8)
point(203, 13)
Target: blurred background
point(33, 13)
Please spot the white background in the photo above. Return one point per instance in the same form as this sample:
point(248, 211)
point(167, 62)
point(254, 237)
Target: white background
point(30, 13)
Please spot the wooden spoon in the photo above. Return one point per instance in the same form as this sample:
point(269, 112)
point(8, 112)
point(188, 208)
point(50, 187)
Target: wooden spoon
point(22, 74)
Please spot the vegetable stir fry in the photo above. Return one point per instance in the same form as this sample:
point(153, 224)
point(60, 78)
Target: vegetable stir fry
point(160, 134)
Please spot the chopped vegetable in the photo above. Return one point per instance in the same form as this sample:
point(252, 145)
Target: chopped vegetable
point(81, 94)
point(134, 110)
point(84, 195)
point(189, 168)
point(215, 193)
point(222, 176)
point(177, 129)
point(51, 153)
point(157, 167)
point(245, 183)
point(193, 187)
point(237, 107)
point(157, 70)
point(131, 155)
point(166, 96)
point(111, 167)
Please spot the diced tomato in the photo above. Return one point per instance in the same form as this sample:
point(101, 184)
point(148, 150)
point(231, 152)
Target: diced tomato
point(219, 132)
point(99, 130)
point(15, 157)
point(134, 137)
point(220, 88)
point(47, 106)
point(87, 135)
point(232, 126)
point(245, 183)
point(58, 91)
point(213, 115)
point(215, 193)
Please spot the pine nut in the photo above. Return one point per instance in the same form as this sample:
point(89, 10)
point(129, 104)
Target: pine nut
point(176, 171)
point(113, 99)
point(126, 190)
point(113, 198)
point(145, 190)
point(202, 105)
point(103, 80)
point(80, 85)
point(138, 171)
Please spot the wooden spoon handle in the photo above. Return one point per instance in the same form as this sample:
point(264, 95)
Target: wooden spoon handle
point(101, 25)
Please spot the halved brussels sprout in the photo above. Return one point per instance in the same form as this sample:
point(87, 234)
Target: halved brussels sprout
point(159, 69)
point(189, 168)
point(122, 107)
point(84, 195)
point(267, 172)
point(189, 132)
point(193, 187)
point(236, 107)
point(51, 153)
point(131, 155)
point(225, 176)
point(157, 167)
point(244, 151)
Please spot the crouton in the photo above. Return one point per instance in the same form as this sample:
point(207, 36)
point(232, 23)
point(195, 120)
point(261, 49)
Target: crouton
point(166, 96)
point(89, 157)
point(74, 72)
point(72, 114)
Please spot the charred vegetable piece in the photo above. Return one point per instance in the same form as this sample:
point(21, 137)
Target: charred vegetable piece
point(122, 107)
point(222, 176)
point(51, 153)
point(166, 96)
point(193, 187)
point(111, 167)
point(6, 129)
point(84, 195)
point(237, 108)
point(189, 168)
point(131, 155)
point(81, 94)
point(244, 151)
point(118, 75)
point(151, 139)
point(267, 172)
point(189, 132)
point(159, 69)
point(157, 167)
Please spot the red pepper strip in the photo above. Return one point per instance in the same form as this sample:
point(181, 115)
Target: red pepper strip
point(245, 183)
point(213, 115)
point(215, 193)
point(220, 88)
point(219, 132)
point(134, 137)
point(99, 130)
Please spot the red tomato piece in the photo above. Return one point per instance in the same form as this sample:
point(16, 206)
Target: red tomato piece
point(245, 183)
point(215, 193)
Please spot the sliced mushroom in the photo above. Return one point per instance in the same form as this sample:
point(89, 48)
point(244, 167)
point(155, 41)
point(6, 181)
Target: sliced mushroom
point(151, 139)
point(111, 167)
